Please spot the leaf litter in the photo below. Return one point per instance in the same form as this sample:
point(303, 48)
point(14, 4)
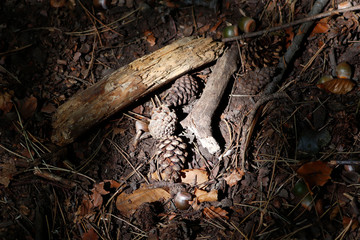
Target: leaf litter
point(253, 203)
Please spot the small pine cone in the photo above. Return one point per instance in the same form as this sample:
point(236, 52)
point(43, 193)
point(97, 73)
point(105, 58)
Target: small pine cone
point(254, 80)
point(264, 52)
point(170, 158)
point(162, 123)
point(183, 91)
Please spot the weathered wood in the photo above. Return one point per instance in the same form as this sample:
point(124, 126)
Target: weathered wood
point(129, 83)
point(199, 119)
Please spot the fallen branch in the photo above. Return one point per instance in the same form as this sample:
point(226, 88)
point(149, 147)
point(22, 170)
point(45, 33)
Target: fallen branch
point(272, 86)
point(199, 119)
point(129, 83)
point(294, 23)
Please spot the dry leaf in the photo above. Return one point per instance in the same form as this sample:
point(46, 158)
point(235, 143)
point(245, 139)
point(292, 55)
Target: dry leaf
point(337, 85)
point(315, 173)
point(194, 176)
point(235, 176)
point(354, 224)
point(150, 38)
point(128, 203)
point(90, 235)
point(321, 27)
point(5, 101)
point(48, 108)
point(113, 183)
point(27, 106)
point(204, 196)
point(334, 212)
point(7, 170)
point(215, 212)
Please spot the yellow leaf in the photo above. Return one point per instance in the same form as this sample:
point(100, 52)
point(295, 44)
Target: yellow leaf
point(128, 203)
point(194, 176)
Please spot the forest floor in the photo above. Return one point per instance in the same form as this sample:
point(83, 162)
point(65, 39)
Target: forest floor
point(300, 176)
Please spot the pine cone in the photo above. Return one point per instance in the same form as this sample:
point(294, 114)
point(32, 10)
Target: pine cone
point(254, 80)
point(183, 91)
point(162, 123)
point(264, 52)
point(169, 158)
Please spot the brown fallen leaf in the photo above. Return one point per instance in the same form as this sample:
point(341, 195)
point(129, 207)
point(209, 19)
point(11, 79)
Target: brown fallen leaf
point(194, 176)
point(215, 212)
point(354, 223)
point(7, 170)
point(5, 101)
point(27, 106)
point(315, 173)
point(337, 85)
point(150, 38)
point(204, 196)
point(90, 235)
point(235, 176)
point(128, 203)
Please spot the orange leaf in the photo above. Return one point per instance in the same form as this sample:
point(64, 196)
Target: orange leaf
point(235, 176)
point(204, 196)
point(215, 212)
point(213, 29)
point(150, 37)
point(128, 203)
point(337, 85)
point(289, 36)
point(194, 176)
point(315, 173)
point(321, 27)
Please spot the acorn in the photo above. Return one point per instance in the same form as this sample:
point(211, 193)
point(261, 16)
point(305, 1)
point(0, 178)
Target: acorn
point(182, 200)
point(231, 31)
point(324, 79)
point(343, 70)
point(247, 24)
point(104, 4)
point(300, 189)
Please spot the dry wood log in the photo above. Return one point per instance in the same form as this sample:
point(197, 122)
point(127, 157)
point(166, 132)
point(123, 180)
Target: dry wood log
point(199, 119)
point(129, 83)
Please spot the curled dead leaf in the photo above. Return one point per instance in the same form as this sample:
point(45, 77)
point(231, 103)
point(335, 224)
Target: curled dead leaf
point(150, 38)
point(337, 85)
point(215, 212)
point(194, 176)
point(315, 173)
point(128, 203)
point(204, 196)
point(235, 176)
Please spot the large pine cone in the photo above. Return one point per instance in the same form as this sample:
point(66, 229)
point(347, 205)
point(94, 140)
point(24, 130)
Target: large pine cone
point(264, 51)
point(255, 80)
point(162, 123)
point(183, 91)
point(169, 158)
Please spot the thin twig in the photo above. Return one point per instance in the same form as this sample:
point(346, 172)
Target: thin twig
point(294, 23)
point(268, 93)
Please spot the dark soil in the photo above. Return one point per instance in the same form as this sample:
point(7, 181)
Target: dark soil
point(49, 53)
